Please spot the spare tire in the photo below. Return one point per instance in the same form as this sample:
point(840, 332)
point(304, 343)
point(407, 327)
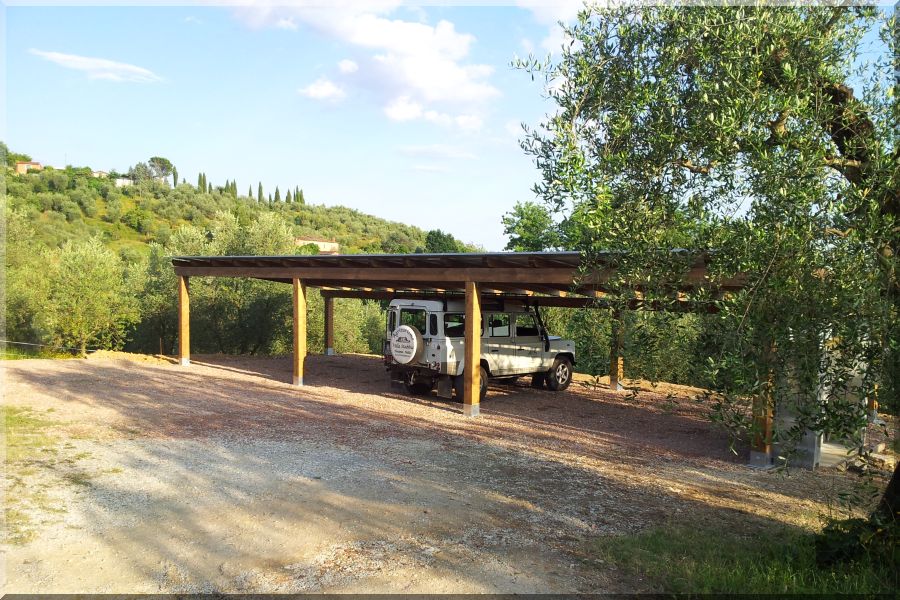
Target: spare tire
point(407, 345)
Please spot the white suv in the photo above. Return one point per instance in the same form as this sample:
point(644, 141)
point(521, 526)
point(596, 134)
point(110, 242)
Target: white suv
point(425, 346)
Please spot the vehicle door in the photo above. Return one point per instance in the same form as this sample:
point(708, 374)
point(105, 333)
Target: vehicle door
point(498, 345)
point(528, 343)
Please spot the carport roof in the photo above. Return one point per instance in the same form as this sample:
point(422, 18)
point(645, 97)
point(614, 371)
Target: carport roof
point(547, 278)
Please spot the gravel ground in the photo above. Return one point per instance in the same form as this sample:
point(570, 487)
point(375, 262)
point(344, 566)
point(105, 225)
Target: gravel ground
point(221, 477)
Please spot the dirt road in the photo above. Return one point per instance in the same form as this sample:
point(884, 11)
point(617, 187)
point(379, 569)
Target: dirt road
point(144, 476)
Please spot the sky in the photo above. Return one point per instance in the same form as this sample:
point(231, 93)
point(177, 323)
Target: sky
point(410, 113)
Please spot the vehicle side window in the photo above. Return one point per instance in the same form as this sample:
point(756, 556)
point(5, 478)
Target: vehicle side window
point(392, 321)
point(454, 325)
point(526, 326)
point(414, 317)
point(499, 325)
point(432, 325)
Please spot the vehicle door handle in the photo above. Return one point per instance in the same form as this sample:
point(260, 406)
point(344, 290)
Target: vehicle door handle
point(495, 351)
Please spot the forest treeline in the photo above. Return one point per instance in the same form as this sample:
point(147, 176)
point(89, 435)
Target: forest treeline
point(88, 263)
point(88, 266)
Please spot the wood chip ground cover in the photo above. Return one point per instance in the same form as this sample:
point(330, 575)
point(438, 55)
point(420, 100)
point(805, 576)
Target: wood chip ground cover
point(222, 477)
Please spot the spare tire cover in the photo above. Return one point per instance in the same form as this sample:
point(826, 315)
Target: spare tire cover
point(406, 344)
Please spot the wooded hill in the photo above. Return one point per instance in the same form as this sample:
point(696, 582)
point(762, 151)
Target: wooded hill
point(70, 203)
point(87, 260)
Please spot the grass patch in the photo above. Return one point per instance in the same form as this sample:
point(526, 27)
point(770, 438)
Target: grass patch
point(698, 560)
point(26, 434)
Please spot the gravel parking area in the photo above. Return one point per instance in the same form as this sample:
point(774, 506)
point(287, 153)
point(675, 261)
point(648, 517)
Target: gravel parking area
point(222, 477)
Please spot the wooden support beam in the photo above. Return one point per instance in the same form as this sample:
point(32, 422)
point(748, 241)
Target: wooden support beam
point(184, 321)
point(299, 330)
point(472, 368)
point(616, 361)
point(763, 413)
point(329, 325)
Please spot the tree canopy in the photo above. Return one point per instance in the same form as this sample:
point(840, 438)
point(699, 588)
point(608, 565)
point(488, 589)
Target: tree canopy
point(766, 138)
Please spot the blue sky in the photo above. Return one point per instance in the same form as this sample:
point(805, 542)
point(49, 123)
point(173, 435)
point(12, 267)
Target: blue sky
point(408, 113)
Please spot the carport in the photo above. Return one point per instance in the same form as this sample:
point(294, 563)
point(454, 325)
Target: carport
point(538, 278)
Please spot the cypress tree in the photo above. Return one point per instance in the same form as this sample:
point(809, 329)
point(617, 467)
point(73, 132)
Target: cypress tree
point(174, 177)
point(259, 193)
point(200, 185)
point(288, 197)
point(277, 194)
point(300, 197)
point(210, 188)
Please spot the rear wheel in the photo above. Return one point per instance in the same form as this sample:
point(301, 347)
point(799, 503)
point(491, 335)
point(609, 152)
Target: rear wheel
point(418, 386)
point(560, 374)
point(538, 380)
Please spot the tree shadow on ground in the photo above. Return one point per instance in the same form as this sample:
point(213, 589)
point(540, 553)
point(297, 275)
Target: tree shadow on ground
point(234, 470)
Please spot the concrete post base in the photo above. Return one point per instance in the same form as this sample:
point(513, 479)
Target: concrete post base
point(298, 381)
point(185, 362)
point(760, 460)
point(471, 410)
point(616, 388)
point(329, 352)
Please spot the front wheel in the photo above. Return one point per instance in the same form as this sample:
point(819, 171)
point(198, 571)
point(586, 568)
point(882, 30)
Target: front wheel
point(560, 375)
point(459, 383)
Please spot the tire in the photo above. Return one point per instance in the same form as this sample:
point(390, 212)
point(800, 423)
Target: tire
point(459, 382)
point(418, 388)
point(560, 374)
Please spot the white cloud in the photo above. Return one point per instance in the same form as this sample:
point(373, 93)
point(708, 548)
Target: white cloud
point(286, 23)
point(100, 68)
point(323, 89)
point(527, 45)
point(192, 19)
point(442, 151)
point(348, 66)
point(469, 122)
point(550, 14)
point(417, 70)
point(403, 109)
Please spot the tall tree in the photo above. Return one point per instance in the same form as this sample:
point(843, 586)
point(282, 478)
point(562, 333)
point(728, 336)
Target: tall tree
point(160, 167)
point(737, 129)
point(287, 198)
point(259, 193)
point(277, 194)
point(250, 192)
point(174, 177)
point(299, 196)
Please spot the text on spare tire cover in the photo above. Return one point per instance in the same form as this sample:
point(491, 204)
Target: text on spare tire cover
point(405, 344)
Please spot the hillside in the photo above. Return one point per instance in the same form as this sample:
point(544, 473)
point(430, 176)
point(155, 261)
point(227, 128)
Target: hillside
point(71, 203)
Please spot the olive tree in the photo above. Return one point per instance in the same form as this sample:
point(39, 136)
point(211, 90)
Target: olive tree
point(88, 298)
point(764, 138)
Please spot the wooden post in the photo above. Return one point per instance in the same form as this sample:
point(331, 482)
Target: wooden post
point(299, 330)
point(616, 361)
point(472, 368)
point(184, 321)
point(763, 412)
point(329, 326)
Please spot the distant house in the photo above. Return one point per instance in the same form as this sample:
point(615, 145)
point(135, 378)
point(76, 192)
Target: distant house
point(23, 167)
point(102, 174)
point(123, 182)
point(325, 246)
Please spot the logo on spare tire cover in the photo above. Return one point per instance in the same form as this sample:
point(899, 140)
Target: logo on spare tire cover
point(406, 344)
